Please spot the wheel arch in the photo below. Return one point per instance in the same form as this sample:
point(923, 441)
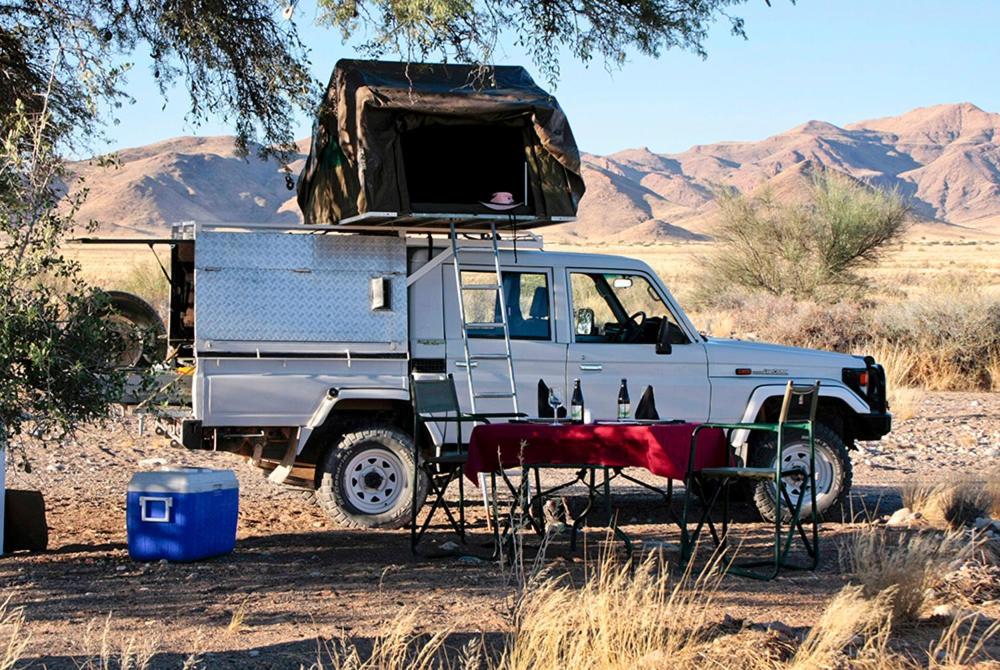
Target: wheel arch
point(837, 407)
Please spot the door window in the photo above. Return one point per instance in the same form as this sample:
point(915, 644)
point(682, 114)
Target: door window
point(619, 308)
point(527, 298)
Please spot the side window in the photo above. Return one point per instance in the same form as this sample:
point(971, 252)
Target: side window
point(527, 298)
point(619, 308)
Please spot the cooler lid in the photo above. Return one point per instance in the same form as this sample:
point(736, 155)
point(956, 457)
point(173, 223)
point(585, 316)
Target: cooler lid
point(183, 480)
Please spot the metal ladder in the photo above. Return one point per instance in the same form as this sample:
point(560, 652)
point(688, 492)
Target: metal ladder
point(471, 357)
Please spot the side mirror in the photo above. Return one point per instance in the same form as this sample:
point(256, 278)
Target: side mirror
point(663, 345)
point(584, 321)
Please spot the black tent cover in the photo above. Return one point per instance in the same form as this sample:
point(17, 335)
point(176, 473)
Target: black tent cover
point(405, 138)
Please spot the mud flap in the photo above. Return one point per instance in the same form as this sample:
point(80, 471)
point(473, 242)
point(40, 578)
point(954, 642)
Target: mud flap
point(280, 473)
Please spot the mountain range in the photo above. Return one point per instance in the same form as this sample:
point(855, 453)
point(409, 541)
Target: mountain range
point(945, 160)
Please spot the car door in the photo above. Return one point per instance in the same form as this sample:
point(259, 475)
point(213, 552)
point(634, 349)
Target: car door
point(535, 352)
point(616, 320)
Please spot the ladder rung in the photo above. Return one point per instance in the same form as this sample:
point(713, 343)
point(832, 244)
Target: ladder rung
point(488, 357)
point(480, 287)
point(495, 394)
point(497, 324)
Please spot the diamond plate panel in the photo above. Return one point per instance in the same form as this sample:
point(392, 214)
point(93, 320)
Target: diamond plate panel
point(280, 287)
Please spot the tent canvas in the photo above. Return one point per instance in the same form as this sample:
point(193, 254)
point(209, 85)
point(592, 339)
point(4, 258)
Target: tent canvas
point(396, 140)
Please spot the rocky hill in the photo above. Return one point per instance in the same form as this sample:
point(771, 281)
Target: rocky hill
point(945, 159)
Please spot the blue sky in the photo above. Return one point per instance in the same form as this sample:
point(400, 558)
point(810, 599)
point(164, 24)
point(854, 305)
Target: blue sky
point(836, 60)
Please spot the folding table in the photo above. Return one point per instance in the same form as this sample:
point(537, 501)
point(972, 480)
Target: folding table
point(661, 448)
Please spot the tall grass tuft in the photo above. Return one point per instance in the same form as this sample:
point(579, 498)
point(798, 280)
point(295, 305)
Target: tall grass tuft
point(13, 636)
point(850, 618)
point(103, 650)
point(616, 619)
point(399, 648)
point(907, 564)
point(956, 504)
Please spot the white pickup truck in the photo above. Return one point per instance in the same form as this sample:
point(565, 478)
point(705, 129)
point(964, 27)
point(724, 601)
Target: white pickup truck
point(303, 342)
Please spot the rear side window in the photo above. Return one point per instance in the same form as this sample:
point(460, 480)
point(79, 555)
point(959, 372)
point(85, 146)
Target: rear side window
point(528, 307)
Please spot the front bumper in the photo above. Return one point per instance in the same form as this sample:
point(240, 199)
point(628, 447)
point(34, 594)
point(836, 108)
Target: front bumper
point(871, 426)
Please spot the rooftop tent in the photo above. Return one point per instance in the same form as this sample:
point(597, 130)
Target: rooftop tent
point(422, 143)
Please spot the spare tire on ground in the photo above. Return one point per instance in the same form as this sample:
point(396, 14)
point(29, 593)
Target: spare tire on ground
point(142, 332)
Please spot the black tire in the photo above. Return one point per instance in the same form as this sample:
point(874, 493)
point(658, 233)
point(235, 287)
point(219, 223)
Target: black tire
point(838, 470)
point(341, 488)
point(144, 336)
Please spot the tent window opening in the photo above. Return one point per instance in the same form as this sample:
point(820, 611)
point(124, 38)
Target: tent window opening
point(456, 167)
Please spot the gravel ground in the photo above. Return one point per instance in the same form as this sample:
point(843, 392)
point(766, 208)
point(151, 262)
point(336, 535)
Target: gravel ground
point(297, 579)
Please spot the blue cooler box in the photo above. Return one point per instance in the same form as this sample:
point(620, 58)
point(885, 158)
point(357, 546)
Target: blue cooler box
point(181, 515)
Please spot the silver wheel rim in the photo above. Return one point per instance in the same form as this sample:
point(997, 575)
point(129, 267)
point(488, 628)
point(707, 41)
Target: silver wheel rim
point(373, 480)
point(796, 455)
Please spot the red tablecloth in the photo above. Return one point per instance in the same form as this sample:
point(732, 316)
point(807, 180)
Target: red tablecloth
point(662, 449)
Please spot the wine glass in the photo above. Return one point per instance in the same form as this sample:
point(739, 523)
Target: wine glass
point(555, 403)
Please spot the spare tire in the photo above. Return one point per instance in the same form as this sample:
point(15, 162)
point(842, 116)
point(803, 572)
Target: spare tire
point(142, 333)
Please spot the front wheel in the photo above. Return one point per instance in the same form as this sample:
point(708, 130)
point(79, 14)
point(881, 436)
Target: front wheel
point(833, 473)
point(366, 479)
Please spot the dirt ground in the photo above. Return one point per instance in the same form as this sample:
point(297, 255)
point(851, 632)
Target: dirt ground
point(298, 580)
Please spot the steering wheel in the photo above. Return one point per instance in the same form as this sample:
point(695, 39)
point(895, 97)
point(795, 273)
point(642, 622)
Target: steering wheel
point(634, 326)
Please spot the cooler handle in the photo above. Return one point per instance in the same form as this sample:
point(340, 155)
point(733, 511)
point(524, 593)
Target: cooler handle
point(144, 510)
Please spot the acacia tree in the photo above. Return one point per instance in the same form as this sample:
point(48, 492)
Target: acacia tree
point(812, 249)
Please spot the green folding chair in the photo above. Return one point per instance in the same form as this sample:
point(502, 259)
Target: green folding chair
point(724, 478)
point(436, 401)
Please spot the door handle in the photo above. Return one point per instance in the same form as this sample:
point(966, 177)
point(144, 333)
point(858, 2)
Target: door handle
point(591, 367)
point(463, 364)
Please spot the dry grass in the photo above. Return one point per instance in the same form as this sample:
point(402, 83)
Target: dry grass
point(13, 636)
point(237, 621)
point(104, 650)
point(616, 619)
point(400, 648)
point(955, 504)
point(993, 491)
point(904, 401)
point(850, 620)
point(907, 564)
point(962, 643)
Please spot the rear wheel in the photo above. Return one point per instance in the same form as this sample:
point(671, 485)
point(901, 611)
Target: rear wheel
point(366, 479)
point(833, 473)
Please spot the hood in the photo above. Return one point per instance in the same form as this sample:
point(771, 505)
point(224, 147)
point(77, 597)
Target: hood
point(764, 359)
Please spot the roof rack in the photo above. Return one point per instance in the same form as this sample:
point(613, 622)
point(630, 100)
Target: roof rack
point(423, 221)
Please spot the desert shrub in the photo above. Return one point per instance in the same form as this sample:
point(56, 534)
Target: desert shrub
point(954, 331)
point(948, 339)
point(909, 564)
point(809, 250)
point(956, 504)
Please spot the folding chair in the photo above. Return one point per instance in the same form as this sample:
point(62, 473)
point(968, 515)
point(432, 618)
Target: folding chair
point(725, 477)
point(436, 401)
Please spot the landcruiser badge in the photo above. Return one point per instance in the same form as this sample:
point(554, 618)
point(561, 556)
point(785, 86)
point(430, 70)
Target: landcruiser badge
point(773, 372)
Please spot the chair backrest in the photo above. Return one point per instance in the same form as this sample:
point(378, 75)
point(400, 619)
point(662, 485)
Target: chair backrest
point(434, 395)
point(646, 409)
point(544, 408)
point(800, 394)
